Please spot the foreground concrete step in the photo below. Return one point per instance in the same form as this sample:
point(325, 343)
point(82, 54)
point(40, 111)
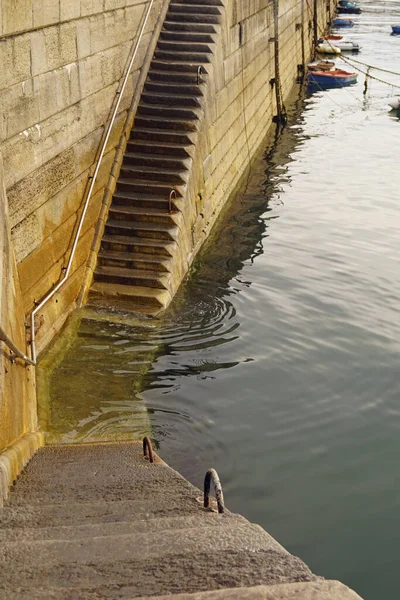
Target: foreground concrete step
point(155, 525)
point(184, 138)
point(177, 100)
point(85, 513)
point(171, 149)
point(188, 36)
point(313, 590)
point(182, 56)
point(145, 300)
point(191, 46)
point(146, 121)
point(176, 65)
point(173, 89)
point(160, 161)
point(161, 73)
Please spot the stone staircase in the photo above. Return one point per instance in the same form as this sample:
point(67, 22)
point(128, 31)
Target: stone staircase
point(85, 522)
point(136, 266)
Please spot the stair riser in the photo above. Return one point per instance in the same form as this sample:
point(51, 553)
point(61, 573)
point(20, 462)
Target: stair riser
point(139, 203)
point(132, 264)
point(167, 151)
point(172, 89)
point(161, 136)
point(165, 219)
point(145, 282)
point(125, 247)
point(159, 176)
point(144, 123)
point(131, 231)
point(204, 38)
point(155, 163)
point(176, 7)
point(138, 302)
point(184, 57)
point(190, 27)
point(163, 113)
point(176, 77)
point(204, 2)
point(172, 67)
point(192, 47)
point(141, 188)
point(177, 101)
point(173, 17)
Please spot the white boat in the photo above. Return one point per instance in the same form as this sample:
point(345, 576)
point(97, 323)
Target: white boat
point(345, 45)
point(394, 103)
point(327, 48)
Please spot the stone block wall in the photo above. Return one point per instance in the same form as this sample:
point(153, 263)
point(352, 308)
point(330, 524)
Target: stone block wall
point(240, 100)
point(62, 62)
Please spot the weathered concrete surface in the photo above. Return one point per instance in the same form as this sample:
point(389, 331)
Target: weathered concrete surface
point(313, 590)
point(96, 521)
point(18, 419)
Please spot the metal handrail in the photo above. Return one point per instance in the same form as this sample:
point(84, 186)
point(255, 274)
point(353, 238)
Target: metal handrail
point(3, 336)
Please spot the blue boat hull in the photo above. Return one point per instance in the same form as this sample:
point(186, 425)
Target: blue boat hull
point(342, 23)
point(321, 81)
point(396, 29)
point(346, 10)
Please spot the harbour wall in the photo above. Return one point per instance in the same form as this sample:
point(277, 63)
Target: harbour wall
point(63, 64)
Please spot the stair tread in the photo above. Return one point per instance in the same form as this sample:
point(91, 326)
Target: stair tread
point(169, 95)
point(182, 132)
point(136, 256)
point(128, 290)
point(128, 272)
point(151, 226)
point(139, 241)
point(150, 143)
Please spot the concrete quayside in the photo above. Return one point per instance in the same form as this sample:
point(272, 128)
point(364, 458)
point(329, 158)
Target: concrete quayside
point(100, 521)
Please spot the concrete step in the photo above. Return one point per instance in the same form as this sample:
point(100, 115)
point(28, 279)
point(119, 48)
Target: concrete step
point(309, 590)
point(145, 300)
point(133, 213)
point(148, 122)
point(130, 276)
point(182, 56)
point(204, 3)
point(152, 230)
point(177, 64)
point(157, 161)
point(190, 27)
point(176, 76)
point(192, 45)
point(71, 557)
point(162, 97)
point(165, 113)
point(123, 243)
point(173, 89)
point(142, 200)
point(183, 138)
point(80, 531)
point(198, 19)
point(198, 9)
point(172, 150)
point(154, 174)
point(142, 186)
point(134, 260)
point(189, 36)
point(74, 513)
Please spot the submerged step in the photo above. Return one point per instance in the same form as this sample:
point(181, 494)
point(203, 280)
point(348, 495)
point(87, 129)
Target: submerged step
point(130, 276)
point(144, 299)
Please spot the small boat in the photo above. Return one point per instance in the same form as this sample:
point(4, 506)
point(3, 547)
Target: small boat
point(343, 23)
point(321, 65)
point(394, 103)
point(347, 3)
point(396, 29)
point(348, 10)
point(331, 78)
point(345, 45)
point(327, 48)
point(331, 37)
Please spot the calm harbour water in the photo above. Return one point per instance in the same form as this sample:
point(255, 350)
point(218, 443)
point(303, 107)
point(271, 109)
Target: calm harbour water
point(278, 362)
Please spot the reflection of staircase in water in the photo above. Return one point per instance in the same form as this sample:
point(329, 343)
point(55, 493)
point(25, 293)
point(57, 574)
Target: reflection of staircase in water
point(139, 253)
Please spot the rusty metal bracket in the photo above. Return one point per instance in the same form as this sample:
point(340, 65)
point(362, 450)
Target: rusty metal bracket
point(148, 449)
point(212, 475)
point(200, 70)
point(172, 196)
